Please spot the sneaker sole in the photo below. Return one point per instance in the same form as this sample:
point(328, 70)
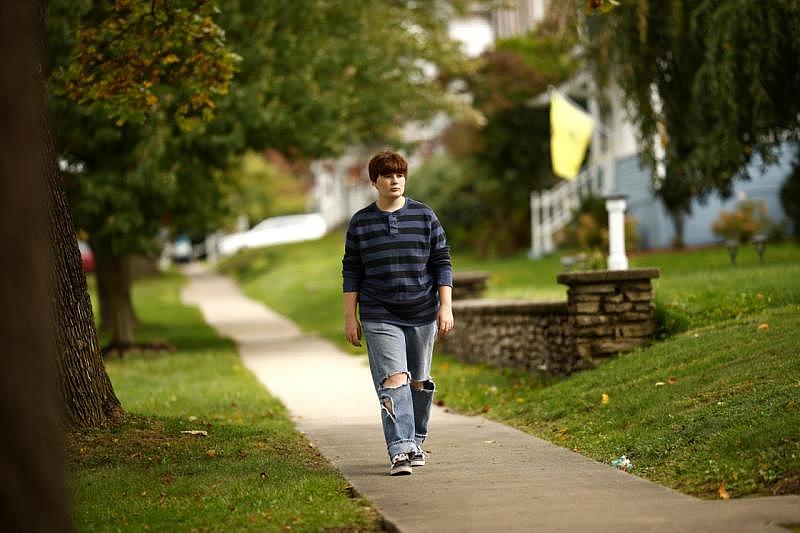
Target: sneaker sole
point(418, 462)
point(400, 471)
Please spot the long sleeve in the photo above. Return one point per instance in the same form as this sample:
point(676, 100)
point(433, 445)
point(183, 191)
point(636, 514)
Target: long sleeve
point(352, 266)
point(439, 262)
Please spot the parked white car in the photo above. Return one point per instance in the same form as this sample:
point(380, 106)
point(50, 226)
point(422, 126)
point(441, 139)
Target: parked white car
point(275, 230)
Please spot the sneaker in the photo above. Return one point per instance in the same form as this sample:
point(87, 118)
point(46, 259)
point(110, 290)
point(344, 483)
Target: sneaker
point(418, 458)
point(401, 465)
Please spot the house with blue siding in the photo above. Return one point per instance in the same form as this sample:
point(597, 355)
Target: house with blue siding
point(613, 166)
point(653, 223)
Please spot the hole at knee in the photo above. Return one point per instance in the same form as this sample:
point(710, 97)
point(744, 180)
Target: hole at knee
point(395, 380)
point(426, 385)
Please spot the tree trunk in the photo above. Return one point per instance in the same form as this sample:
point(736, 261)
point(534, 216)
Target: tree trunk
point(89, 398)
point(33, 495)
point(116, 304)
point(102, 294)
point(106, 288)
point(678, 219)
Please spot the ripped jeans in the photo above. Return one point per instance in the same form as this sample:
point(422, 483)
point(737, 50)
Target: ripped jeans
point(405, 410)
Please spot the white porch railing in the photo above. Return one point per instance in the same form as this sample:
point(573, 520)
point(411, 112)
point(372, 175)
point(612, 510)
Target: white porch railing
point(552, 210)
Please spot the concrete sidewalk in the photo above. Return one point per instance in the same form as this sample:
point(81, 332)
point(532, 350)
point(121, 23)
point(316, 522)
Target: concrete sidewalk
point(481, 475)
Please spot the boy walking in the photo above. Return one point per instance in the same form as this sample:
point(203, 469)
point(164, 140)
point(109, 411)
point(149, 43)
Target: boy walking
point(398, 275)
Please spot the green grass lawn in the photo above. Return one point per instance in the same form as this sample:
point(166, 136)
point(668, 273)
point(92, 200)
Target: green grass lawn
point(252, 471)
point(727, 411)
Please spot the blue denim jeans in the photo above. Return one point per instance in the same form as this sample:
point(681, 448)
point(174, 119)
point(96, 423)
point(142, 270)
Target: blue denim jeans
point(405, 410)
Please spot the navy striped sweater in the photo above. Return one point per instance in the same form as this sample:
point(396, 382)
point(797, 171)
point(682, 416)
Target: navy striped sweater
point(396, 262)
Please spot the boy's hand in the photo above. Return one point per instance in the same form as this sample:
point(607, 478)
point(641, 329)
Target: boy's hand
point(445, 320)
point(352, 331)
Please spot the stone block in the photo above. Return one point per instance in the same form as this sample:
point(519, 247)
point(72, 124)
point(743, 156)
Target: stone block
point(638, 296)
point(617, 308)
point(590, 320)
point(635, 316)
point(584, 349)
point(588, 297)
point(643, 307)
point(594, 331)
point(608, 346)
point(641, 329)
point(640, 286)
point(593, 288)
point(586, 307)
point(613, 298)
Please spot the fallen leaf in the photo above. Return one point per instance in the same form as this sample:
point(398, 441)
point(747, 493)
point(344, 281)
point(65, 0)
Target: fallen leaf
point(660, 384)
point(196, 432)
point(604, 399)
point(211, 453)
point(486, 408)
point(520, 400)
point(672, 381)
point(763, 326)
point(723, 493)
point(490, 441)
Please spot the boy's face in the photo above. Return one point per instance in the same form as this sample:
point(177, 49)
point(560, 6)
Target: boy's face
point(390, 186)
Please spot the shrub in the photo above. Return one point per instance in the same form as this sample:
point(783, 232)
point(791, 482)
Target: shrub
point(588, 230)
point(748, 219)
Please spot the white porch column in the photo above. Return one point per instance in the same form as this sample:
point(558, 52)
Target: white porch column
point(536, 227)
point(547, 224)
point(615, 204)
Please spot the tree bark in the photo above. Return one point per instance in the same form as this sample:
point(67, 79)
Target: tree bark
point(33, 495)
point(114, 274)
point(89, 398)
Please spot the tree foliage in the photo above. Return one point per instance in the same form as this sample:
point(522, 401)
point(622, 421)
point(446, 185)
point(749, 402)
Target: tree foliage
point(131, 58)
point(134, 85)
point(714, 82)
point(496, 164)
point(319, 75)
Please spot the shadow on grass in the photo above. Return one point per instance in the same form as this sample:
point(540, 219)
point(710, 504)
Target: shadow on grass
point(186, 337)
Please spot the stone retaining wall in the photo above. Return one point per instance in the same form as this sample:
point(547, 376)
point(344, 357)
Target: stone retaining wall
point(606, 312)
point(467, 285)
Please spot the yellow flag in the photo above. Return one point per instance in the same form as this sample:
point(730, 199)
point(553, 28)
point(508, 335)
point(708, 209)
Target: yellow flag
point(570, 132)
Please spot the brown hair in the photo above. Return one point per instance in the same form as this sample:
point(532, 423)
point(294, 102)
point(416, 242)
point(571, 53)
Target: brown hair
point(386, 162)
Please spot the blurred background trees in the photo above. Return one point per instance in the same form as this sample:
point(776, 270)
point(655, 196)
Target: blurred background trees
point(710, 85)
point(155, 140)
point(481, 188)
point(164, 111)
